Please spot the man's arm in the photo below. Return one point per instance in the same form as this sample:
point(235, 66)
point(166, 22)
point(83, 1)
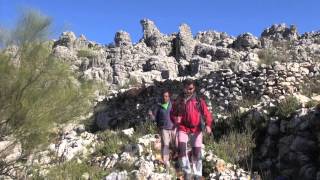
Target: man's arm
point(152, 112)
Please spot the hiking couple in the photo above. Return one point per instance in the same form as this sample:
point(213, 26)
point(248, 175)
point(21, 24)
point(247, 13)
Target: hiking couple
point(179, 120)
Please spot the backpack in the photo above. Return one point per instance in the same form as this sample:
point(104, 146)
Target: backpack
point(202, 118)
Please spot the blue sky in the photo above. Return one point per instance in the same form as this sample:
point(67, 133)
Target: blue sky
point(99, 20)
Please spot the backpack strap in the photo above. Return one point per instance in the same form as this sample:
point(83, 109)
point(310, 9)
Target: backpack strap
point(199, 106)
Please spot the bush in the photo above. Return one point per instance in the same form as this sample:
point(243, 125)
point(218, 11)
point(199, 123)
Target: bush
point(235, 147)
point(74, 170)
point(113, 142)
point(267, 56)
point(232, 139)
point(287, 107)
point(280, 51)
point(147, 127)
point(37, 90)
point(86, 53)
point(311, 87)
point(311, 104)
point(234, 121)
point(131, 82)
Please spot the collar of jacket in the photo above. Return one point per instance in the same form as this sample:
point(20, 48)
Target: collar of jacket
point(159, 104)
point(194, 95)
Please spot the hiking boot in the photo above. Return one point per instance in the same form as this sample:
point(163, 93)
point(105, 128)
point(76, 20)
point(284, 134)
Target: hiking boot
point(187, 176)
point(167, 167)
point(175, 156)
point(176, 165)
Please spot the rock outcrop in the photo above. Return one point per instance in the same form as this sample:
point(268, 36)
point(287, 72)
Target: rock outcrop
point(181, 53)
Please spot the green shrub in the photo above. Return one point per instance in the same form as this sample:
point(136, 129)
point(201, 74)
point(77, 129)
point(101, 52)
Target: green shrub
point(88, 53)
point(235, 120)
point(267, 56)
point(74, 170)
point(113, 142)
point(124, 166)
point(287, 107)
point(311, 87)
point(207, 168)
point(311, 104)
point(232, 139)
point(248, 102)
point(131, 82)
point(37, 91)
point(235, 147)
point(146, 127)
point(280, 51)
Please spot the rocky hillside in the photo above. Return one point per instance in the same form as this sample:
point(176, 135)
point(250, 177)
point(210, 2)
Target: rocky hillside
point(269, 85)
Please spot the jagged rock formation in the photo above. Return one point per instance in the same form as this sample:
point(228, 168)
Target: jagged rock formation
point(228, 70)
point(122, 39)
point(246, 41)
point(279, 32)
point(159, 56)
point(215, 38)
point(184, 43)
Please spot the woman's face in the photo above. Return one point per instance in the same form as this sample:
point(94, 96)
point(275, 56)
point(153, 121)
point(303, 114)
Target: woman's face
point(165, 97)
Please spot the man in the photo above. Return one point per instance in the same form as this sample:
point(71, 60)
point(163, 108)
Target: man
point(187, 111)
point(166, 126)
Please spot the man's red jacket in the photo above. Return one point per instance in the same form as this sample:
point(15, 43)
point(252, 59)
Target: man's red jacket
point(187, 116)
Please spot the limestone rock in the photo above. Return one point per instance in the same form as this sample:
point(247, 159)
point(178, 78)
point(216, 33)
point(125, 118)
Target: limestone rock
point(214, 38)
point(66, 39)
point(278, 32)
point(246, 41)
point(10, 151)
point(185, 43)
point(166, 65)
point(122, 39)
point(151, 35)
point(123, 175)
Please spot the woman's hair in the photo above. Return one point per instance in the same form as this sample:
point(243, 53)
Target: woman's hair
point(165, 91)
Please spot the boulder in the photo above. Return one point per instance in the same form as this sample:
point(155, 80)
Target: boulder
point(10, 151)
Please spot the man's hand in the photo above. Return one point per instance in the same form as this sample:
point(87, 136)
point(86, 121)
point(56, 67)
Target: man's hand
point(151, 115)
point(208, 129)
point(178, 119)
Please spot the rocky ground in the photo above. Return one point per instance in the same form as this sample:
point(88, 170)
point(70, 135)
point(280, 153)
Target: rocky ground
point(271, 81)
point(142, 157)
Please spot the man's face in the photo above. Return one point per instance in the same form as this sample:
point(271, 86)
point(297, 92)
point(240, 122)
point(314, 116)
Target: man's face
point(166, 97)
point(189, 89)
